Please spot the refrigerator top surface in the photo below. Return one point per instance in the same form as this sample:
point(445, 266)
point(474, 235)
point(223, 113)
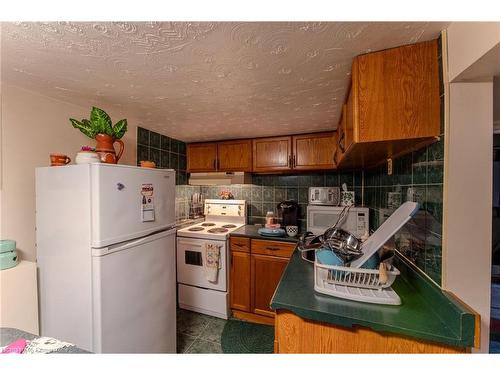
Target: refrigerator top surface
point(106, 165)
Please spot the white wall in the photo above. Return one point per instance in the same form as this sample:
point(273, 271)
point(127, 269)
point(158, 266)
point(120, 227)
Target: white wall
point(468, 199)
point(467, 226)
point(33, 126)
point(469, 42)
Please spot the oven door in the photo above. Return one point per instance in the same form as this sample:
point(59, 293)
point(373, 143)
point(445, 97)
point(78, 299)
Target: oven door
point(190, 270)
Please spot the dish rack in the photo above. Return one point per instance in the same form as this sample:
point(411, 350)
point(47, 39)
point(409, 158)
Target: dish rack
point(358, 284)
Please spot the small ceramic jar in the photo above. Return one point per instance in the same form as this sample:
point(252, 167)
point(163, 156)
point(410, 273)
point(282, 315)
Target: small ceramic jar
point(85, 157)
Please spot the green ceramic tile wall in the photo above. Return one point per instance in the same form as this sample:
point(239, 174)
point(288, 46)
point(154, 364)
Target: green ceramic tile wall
point(266, 191)
point(166, 152)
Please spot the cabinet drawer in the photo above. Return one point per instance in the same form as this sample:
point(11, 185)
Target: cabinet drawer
point(241, 244)
point(275, 248)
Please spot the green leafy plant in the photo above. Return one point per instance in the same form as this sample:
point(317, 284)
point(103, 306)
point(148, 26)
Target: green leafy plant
point(100, 122)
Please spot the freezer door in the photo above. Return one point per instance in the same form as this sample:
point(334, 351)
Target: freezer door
point(134, 296)
point(130, 202)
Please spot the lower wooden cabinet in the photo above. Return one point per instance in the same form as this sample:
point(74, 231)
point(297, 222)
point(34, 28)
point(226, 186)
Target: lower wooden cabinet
point(266, 273)
point(256, 269)
point(295, 335)
point(240, 281)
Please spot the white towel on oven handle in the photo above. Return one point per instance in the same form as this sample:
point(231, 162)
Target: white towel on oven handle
point(211, 261)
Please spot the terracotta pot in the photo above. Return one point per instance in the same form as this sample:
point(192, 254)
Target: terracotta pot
point(105, 149)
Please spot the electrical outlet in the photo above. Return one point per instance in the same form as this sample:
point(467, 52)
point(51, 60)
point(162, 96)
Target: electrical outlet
point(389, 166)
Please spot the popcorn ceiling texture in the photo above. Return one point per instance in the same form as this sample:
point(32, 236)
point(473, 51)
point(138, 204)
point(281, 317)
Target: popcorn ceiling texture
point(196, 81)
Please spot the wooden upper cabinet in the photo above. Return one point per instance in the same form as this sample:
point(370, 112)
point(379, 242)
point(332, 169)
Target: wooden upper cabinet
point(235, 156)
point(201, 157)
point(272, 154)
point(395, 93)
point(314, 151)
point(392, 107)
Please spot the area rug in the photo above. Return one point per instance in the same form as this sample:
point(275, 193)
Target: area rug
point(243, 337)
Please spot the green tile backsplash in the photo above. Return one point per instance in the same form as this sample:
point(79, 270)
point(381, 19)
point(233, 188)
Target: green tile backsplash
point(166, 152)
point(266, 191)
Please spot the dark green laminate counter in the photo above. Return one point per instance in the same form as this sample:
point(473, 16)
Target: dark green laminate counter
point(251, 231)
point(426, 312)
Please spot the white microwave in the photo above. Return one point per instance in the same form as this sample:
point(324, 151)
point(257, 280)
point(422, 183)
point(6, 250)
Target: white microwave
point(320, 218)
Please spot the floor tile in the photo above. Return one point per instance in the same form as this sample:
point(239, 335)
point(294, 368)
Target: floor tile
point(191, 323)
point(184, 342)
point(202, 346)
point(213, 331)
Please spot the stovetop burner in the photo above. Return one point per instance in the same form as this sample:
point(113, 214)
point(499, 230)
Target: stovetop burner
point(229, 226)
point(196, 229)
point(217, 230)
point(207, 224)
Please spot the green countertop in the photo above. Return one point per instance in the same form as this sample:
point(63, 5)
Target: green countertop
point(426, 312)
point(251, 231)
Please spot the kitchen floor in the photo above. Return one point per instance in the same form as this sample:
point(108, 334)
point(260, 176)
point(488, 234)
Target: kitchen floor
point(198, 333)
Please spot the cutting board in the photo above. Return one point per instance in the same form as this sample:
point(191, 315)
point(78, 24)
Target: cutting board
point(388, 228)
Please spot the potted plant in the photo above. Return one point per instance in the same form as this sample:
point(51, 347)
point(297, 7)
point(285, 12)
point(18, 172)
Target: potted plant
point(100, 128)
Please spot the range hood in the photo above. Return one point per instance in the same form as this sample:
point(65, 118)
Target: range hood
point(220, 178)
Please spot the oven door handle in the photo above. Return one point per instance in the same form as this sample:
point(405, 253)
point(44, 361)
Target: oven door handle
point(192, 243)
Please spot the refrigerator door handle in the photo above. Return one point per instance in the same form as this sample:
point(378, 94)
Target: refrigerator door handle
point(132, 243)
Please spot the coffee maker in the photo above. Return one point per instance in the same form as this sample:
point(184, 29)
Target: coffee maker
point(288, 213)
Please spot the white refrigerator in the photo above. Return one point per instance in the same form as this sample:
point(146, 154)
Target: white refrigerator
point(105, 237)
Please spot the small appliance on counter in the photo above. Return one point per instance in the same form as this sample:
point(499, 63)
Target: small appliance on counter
point(288, 213)
point(324, 196)
point(8, 254)
point(320, 218)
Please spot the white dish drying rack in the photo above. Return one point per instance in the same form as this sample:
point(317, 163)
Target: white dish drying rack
point(358, 284)
point(362, 284)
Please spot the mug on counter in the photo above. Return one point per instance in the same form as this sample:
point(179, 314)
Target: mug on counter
point(59, 159)
point(292, 230)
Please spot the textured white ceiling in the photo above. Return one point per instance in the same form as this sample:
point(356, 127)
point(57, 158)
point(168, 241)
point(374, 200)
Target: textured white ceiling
point(202, 81)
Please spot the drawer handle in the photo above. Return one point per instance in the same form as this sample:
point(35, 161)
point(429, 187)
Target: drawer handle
point(238, 244)
point(273, 248)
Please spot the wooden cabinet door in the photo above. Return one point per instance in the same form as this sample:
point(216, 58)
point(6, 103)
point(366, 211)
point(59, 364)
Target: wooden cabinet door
point(313, 151)
point(201, 157)
point(235, 156)
point(349, 120)
point(272, 154)
point(396, 93)
point(266, 274)
point(240, 281)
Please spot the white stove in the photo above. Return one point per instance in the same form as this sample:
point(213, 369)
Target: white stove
point(196, 292)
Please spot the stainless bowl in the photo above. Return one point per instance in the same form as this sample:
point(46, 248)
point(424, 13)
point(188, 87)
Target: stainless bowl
point(345, 244)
